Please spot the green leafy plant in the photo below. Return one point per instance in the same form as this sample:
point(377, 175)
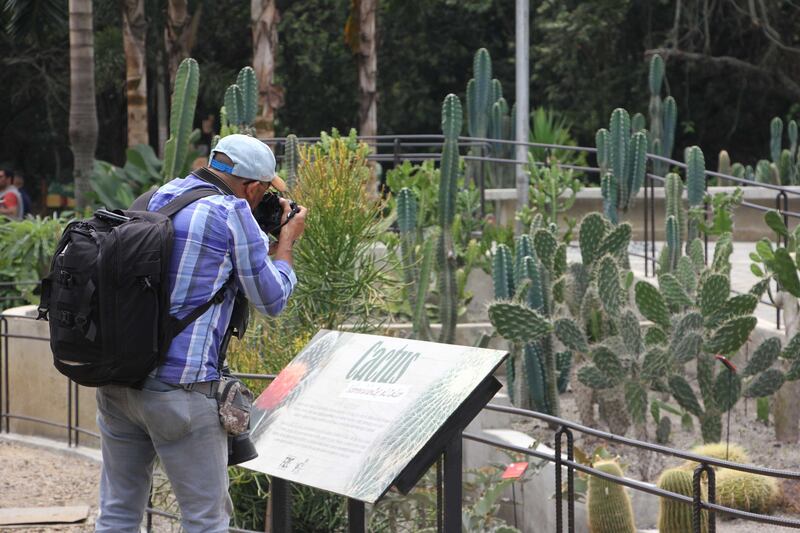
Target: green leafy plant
point(343, 280)
point(28, 246)
point(550, 127)
point(553, 190)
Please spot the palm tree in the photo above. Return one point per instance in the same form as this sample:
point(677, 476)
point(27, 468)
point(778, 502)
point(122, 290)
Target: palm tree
point(82, 107)
point(180, 33)
point(134, 31)
point(264, 17)
point(360, 34)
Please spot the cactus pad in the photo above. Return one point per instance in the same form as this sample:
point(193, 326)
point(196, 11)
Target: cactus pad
point(766, 384)
point(683, 394)
point(766, 354)
point(651, 304)
point(517, 322)
point(731, 335)
point(568, 332)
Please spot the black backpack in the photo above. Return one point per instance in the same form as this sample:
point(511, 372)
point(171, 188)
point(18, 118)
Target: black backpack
point(107, 294)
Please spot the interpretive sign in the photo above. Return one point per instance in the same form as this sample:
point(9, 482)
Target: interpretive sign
point(350, 412)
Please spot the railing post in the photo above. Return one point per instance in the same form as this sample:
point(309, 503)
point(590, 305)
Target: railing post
point(452, 485)
point(2, 370)
point(439, 499)
point(355, 516)
point(782, 209)
point(6, 386)
point(653, 223)
point(697, 494)
point(281, 496)
point(69, 413)
point(77, 415)
point(570, 482)
point(646, 211)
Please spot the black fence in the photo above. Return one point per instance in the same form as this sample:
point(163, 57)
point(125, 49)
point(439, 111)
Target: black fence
point(450, 515)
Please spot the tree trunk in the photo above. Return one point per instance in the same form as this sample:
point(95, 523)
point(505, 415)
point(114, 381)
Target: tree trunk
point(367, 68)
point(785, 402)
point(82, 106)
point(179, 34)
point(264, 17)
point(134, 32)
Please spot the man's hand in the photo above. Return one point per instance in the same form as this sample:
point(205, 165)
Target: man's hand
point(292, 231)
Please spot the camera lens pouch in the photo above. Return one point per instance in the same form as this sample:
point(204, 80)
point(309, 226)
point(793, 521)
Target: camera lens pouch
point(235, 401)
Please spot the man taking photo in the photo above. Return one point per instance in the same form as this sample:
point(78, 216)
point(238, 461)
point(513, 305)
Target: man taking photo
point(175, 415)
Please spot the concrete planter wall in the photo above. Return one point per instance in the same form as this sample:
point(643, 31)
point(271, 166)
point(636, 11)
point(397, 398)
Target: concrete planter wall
point(36, 388)
point(749, 222)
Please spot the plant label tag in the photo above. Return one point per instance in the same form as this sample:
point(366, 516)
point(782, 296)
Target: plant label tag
point(514, 470)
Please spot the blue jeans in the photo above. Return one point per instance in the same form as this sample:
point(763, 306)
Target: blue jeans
point(183, 429)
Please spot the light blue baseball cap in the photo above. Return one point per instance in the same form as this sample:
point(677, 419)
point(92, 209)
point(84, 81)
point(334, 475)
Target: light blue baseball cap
point(252, 159)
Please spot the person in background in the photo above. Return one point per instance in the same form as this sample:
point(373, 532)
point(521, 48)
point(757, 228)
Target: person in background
point(19, 183)
point(10, 199)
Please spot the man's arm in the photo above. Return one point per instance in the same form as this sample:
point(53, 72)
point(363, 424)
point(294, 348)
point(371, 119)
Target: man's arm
point(266, 284)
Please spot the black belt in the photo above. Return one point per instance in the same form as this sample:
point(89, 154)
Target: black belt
point(206, 388)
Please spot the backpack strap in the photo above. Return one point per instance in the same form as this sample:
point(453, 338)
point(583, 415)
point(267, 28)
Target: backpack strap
point(176, 204)
point(178, 325)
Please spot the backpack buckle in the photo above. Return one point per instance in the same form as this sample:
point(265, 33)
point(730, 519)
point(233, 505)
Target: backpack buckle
point(66, 318)
point(65, 278)
point(42, 313)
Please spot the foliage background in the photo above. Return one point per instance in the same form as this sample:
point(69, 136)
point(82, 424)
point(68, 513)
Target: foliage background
point(587, 57)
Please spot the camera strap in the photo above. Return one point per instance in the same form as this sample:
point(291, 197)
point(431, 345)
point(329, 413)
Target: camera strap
point(209, 177)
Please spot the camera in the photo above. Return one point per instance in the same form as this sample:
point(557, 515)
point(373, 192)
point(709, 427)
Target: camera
point(268, 214)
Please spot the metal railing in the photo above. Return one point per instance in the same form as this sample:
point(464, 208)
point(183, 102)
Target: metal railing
point(703, 498)
point(391, 148)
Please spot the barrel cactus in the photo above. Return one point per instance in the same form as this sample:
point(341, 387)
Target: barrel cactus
point(732, 452)
point(745, 491)
point(675, 516)
point(609, 506)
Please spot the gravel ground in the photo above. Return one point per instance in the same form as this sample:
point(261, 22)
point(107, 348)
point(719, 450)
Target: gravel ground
point(36, 477)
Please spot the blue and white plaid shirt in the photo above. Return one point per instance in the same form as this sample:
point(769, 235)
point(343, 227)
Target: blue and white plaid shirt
point(214, 237)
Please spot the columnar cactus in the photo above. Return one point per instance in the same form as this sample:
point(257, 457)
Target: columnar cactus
point(181, 117)
point(663, 115)
point(291, 158)
point(622, 158)
point(417, 277)
point(695, 188)
point(446, 256)
point(608, 503)
point(675, 516)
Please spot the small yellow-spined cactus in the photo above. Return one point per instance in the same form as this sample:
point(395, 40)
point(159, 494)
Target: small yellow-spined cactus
point(610, 509)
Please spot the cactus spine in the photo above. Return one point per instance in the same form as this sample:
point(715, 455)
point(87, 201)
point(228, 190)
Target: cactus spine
point(609, 506)
point(675, 516)
point(184, 102)
point(446, 255)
